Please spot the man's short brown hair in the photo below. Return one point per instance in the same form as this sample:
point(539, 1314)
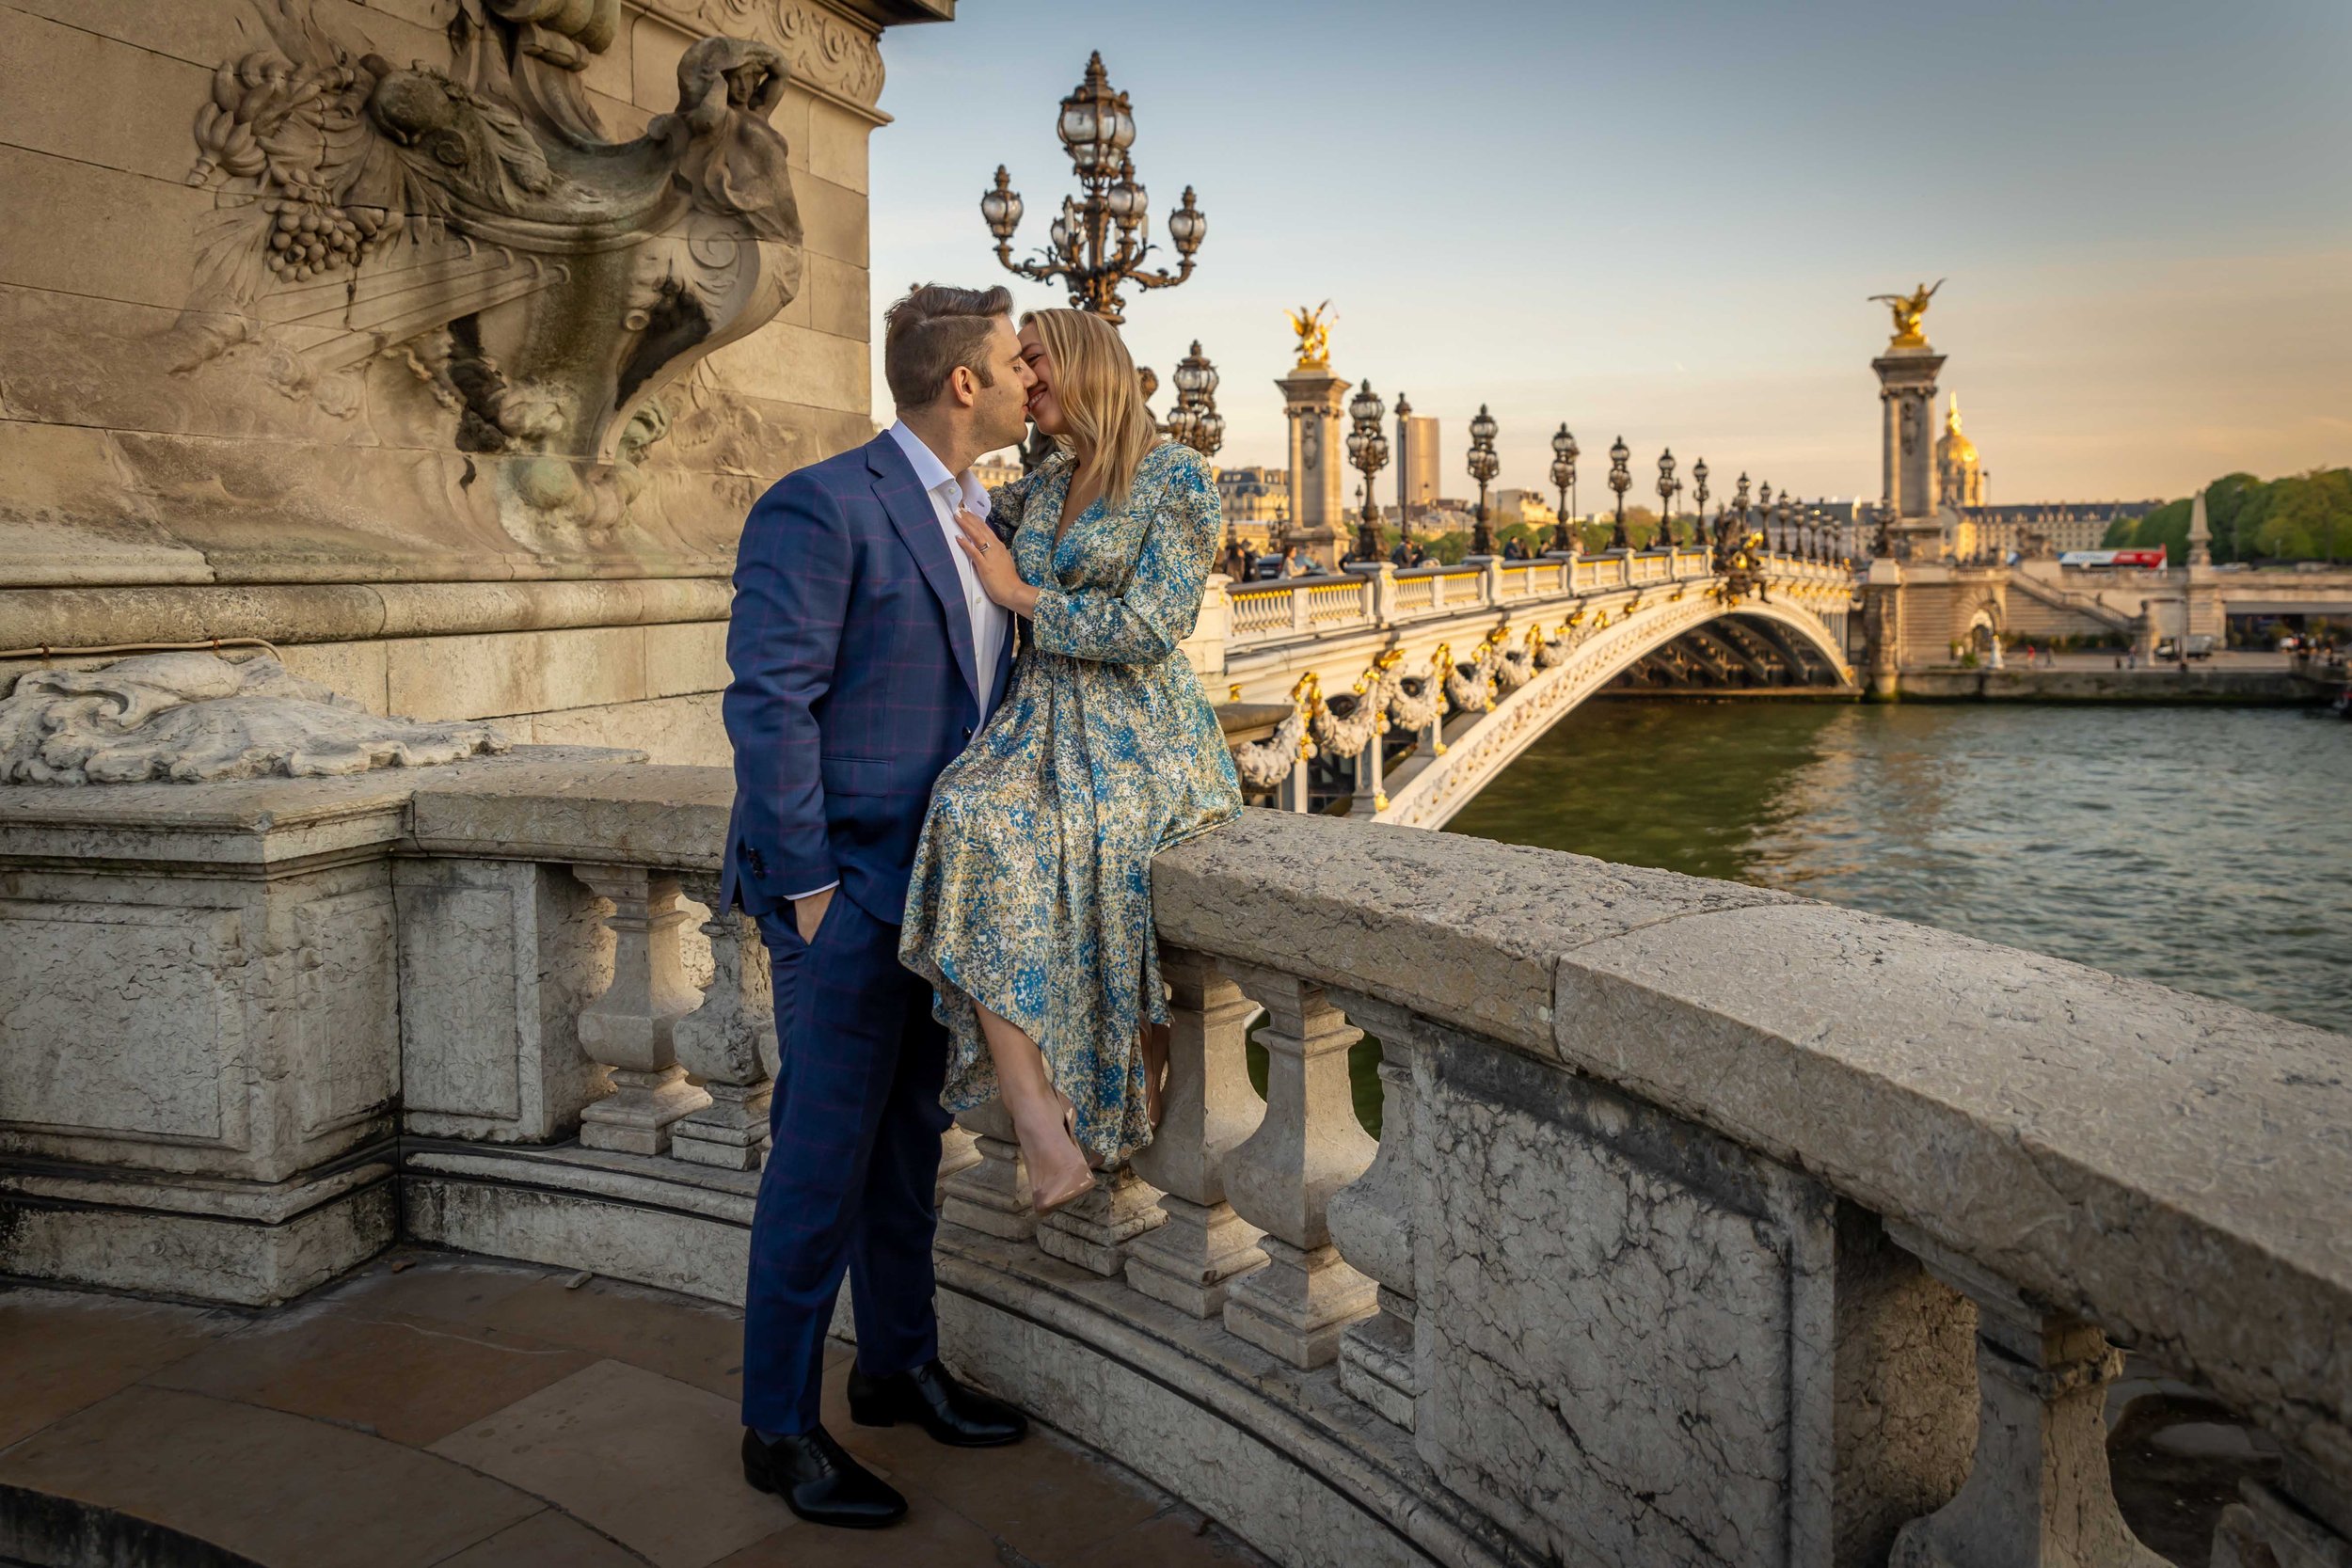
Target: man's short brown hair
point(934, 330)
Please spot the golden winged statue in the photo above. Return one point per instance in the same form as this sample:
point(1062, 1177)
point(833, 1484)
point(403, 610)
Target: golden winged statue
point(1909, 309)
point(1315, 335)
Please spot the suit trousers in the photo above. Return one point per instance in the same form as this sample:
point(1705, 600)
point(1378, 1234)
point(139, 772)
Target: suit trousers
point(853, 1166)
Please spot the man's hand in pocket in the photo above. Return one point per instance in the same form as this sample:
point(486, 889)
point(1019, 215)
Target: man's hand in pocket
point(809, 912)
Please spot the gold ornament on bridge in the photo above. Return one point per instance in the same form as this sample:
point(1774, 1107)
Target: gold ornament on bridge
point(1315, 335)
point(1909, 310)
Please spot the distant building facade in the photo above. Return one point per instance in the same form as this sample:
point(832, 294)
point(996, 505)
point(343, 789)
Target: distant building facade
point(1418, 469)
point(997, 468)
point(1256, 502)
point(2040, 528)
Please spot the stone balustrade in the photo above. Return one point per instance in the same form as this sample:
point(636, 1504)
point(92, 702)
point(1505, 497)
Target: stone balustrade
point(1376, 597)
point(1706, 1225)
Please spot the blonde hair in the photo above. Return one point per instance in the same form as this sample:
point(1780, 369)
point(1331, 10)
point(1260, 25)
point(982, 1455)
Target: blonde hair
point(1100, 398)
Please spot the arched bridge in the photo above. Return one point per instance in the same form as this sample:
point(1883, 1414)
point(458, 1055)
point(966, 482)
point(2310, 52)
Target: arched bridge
point(1410, 690)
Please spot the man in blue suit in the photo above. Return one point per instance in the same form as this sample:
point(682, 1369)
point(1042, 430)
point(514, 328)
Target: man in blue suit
point(865, 658)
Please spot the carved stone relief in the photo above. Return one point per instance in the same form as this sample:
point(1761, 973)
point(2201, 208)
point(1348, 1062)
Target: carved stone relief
point(197, 717)
point(459, 258)
point(821, 48)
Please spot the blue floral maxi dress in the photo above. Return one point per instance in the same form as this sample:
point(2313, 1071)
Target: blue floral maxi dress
point(1032, 884)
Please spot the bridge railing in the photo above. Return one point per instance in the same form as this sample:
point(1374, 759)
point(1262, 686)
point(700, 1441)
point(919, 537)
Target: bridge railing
point(1695, 1212)
point(1702, 1224)
point(1279, 610)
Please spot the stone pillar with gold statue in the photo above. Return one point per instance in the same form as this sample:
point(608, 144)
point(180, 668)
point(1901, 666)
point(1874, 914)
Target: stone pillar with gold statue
point(1906, 373)
point(1315, 400)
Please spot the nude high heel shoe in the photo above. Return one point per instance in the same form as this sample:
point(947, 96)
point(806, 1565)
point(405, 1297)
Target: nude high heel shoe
point(1046, 1202)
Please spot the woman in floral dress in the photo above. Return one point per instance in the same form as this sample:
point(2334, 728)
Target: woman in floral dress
point(1030, 908)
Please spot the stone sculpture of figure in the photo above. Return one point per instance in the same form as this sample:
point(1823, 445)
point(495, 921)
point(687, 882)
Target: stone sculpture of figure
point(543, 282)
point(1909, 310)
point(1314, 333)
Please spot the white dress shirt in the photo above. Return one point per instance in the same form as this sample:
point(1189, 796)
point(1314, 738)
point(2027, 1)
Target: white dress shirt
point(948, 491)
point(990, 622)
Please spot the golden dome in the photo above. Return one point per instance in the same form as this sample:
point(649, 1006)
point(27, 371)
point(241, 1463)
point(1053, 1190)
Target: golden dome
point(1952, 447)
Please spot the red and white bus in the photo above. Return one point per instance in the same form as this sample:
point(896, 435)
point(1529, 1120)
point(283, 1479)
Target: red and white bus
point(2113, 558)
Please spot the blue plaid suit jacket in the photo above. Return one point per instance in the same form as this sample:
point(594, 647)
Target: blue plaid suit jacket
point(853, 682)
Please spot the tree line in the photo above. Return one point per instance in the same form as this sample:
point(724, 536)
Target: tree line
point(2300, 518)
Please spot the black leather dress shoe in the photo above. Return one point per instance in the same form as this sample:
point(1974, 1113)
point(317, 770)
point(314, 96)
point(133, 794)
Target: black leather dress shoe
point(952, 1413)
point(820, 1482)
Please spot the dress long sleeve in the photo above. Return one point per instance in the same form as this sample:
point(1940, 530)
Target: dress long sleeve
point(1143, 622)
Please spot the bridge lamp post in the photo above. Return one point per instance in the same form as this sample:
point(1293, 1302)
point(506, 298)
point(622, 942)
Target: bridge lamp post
point(1783, 545)
point(1698, 490)
point(1563, 456)
point(1667, 486)
point(1763, 505)
point(1484, 465)
point(1099, 242)
point(1620, 480)
point(1195, 420)
point(1368, 449)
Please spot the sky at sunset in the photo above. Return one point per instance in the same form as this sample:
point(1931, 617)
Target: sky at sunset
point(1662, 221)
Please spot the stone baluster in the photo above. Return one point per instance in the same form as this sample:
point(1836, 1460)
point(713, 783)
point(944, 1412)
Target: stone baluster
point(1282, 1177)
point(628, 1027)
point(728, 1041)
point(2037, 1492)
point(1299, 621)
point(1094, 1231)
point(991, 1194)
point(1372, 1223)
point(1372, 794)
point(1190, 1261)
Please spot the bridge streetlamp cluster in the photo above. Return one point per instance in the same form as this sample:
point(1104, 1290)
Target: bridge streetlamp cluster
point(1484, 465)
point(1620, 480)
point(1195, 420)
point(1368, 449)
point(1564, 456)
point(1097, 244)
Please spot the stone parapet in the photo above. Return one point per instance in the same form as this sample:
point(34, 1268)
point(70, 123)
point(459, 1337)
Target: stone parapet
point(1708, 1224)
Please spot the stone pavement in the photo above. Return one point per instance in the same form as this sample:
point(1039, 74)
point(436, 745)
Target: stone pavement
point(439, 1409)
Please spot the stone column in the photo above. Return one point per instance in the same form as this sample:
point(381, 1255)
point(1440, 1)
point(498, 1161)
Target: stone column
point(2038, 1493)
point(1093, 1231)
point(1906, 452)
point(628, 1027)
point(991, 1195)
point(1315, 400)
point(1282, 1178)
point(1190, 1261)
point(1372, 1224)
point(728, 1041)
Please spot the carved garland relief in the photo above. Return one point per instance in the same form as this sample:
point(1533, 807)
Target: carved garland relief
point(473, 228)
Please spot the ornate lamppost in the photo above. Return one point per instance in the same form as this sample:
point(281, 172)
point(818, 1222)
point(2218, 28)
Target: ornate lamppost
point(1195, 420)
point(1368, 451)
point(1099, 242)
point(1782, 547)
point(1699, 491)
point(1564, 456)
point(1620, 480)
point(1404, 477)
point(1484, 465)
point(1666, 488)
point(1732, 525)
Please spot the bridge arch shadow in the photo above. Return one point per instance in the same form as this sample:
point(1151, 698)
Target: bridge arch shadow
point(1692, 645)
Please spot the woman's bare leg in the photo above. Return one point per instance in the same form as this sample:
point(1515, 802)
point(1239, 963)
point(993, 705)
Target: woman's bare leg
point(1154, 1043)
point(1057, 1166)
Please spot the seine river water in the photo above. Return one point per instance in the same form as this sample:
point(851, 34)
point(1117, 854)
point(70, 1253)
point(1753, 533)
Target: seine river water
point(2209, 848)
